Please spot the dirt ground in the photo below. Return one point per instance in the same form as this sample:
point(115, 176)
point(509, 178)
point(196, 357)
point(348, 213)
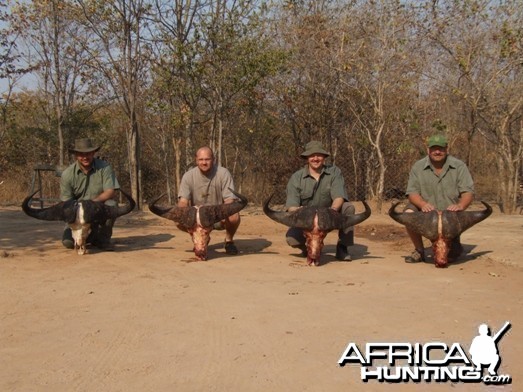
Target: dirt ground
point(147, 317)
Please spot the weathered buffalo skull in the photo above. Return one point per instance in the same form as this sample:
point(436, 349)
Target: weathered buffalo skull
point(199, 221)
point(316, 223)
point(440, 227)
point(79, 215)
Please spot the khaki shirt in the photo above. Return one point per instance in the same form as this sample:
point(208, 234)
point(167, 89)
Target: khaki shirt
point(304, 190)
point(74, 184)
point(443, 190)
point(213, 189)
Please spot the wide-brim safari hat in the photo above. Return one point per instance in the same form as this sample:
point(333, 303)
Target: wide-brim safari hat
point(314, 147)
point(84, 145)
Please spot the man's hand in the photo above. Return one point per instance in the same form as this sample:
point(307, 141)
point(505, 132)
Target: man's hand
point(427, 207)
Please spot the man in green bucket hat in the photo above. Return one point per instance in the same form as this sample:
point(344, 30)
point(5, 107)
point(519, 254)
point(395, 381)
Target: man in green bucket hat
point(319, 184)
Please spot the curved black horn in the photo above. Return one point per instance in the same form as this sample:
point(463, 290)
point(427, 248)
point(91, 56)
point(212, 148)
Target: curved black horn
point(352, 220)
point(329, 219)
point(126, 208)
point(455, 223)
point(116, 211)
point(302, 218)
point(209, 215)
point(424, 223)
point(186, 216)
point(62, 211)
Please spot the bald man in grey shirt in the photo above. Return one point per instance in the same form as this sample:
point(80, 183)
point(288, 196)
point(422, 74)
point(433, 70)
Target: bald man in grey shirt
point(208, 184)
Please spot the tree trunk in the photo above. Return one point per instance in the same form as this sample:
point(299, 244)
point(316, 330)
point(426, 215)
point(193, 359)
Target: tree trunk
point(219, 141)
point(380, 184)
point(166, 165)
point(134, 161)
point(177, 142)
point(189, 153)
point(58, 88)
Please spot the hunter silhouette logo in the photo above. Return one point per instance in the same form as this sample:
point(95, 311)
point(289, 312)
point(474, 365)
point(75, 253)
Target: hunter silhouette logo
point(483, 349)
point(432, 361)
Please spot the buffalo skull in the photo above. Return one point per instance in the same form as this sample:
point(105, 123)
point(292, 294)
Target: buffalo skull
point(440, 227)
point(79, 215)
point(199, 221)
point(316, 223)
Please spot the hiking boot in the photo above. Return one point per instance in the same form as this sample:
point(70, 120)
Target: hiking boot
point(106, 246)
point(417, 256)
point(303, 251)
point(230, 248)
point(67, 239)
point(342, 253)
point(67, 243)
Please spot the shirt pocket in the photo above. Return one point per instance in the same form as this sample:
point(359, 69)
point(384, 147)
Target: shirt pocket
point(325, 192)
point(306, 195)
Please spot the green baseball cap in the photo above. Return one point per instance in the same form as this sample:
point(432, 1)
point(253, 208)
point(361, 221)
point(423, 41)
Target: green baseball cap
point(437, 140)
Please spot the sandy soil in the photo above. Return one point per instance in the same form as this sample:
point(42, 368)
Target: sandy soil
point(146, 317)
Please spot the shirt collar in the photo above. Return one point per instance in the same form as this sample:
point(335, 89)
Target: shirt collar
point(325, 170)
point(211, 173)
point(79, 170)
point(446, 166)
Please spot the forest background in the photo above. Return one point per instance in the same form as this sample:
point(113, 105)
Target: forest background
point(153, 80)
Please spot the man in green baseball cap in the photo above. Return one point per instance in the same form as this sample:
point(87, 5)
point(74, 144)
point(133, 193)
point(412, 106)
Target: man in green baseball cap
point(438, 181)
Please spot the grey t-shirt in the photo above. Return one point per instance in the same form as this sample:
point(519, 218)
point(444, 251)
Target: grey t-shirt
point(212, 189)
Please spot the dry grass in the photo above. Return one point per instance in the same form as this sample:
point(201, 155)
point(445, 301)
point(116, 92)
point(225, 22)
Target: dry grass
point(12, 192)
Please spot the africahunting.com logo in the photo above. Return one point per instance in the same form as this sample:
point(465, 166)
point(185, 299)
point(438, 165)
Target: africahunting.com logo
point(432, 361)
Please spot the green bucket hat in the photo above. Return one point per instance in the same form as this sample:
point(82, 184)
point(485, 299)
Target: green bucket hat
point(437, 140)
point(84, 145)
point(314, 147)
